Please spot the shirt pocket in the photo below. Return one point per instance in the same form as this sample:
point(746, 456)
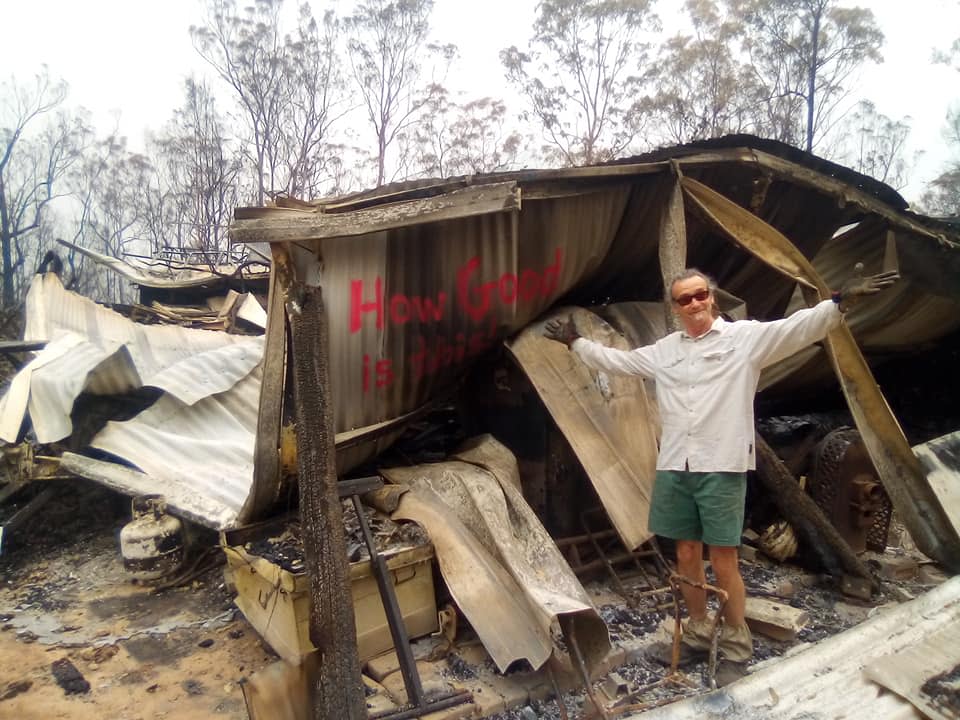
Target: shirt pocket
point(672, 362)
point(719, 355)
point(672, 371)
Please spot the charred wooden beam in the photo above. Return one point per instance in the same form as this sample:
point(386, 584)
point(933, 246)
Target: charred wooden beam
point(337, 688)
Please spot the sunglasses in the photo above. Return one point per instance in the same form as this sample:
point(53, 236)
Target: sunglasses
point(699, 296)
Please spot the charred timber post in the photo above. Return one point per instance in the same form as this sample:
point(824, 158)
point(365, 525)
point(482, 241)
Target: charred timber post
point(338, 690)
point(804, 514)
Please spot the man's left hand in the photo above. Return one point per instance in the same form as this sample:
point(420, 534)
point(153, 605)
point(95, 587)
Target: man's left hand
point(858, 287)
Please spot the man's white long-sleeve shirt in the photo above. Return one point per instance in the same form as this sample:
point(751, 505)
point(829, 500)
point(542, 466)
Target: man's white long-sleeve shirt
point(706, 385)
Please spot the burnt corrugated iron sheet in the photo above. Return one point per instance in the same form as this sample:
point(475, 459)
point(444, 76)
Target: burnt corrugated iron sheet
point(206, 447)
point(909, 315)
point(194, 444)
point(94, 349)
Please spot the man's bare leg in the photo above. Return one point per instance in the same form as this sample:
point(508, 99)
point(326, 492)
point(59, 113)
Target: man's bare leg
point(690, 565)
point(726, 566)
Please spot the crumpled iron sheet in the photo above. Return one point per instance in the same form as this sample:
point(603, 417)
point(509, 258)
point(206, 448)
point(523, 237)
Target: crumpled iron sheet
point(95, 349)
point(899, 319)
point(48, 385)
point(194, 444)
point(161, 275)
point(500, 564)
point(609, 421)
point(207, 446)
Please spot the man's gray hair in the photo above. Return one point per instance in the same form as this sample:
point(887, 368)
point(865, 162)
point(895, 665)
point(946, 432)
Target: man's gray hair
point(692, 272)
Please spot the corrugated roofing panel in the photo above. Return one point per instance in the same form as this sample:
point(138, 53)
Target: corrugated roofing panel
point(181, 497)
point(206, 447)
point(194, 444)
point(57, 381)
point(827, 680)
point(110, 354)
point(51, 309)
point(208, 373)
point(14, 403)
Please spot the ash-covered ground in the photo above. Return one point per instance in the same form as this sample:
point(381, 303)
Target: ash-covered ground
point(829, 611)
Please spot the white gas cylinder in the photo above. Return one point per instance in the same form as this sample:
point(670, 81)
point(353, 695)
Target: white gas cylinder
point(152, 542)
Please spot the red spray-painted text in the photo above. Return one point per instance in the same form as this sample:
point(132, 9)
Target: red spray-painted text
point(474, 298)
point(478, 301)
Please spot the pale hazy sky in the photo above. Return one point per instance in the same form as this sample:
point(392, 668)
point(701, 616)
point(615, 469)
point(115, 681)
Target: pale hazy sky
point(125, 60)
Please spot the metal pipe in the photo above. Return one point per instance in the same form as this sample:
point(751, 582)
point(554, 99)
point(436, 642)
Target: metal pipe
point(442, 703)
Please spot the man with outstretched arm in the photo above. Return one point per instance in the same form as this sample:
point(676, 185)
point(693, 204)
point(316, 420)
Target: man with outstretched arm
point(707, 375)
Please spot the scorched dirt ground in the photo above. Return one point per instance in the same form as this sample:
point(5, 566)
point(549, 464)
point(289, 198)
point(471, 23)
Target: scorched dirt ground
point(179, 653)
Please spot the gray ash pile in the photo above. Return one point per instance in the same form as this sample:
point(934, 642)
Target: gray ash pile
point(284, 549)
point(285, 546)
point(625, 624)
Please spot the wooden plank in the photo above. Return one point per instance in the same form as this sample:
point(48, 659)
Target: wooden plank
point(337, 688)
point(775, 620)
point(297, 226)
point(799, 509)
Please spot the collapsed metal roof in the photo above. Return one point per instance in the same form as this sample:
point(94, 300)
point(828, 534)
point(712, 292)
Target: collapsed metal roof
point(420, 279)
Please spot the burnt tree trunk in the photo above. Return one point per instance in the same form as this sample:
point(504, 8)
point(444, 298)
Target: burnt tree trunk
point(338, 689)
point(805, 515)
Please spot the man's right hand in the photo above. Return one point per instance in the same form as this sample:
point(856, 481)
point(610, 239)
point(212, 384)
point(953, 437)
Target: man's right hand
point(563, 331)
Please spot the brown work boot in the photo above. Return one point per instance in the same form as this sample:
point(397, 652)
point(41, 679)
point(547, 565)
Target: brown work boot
point(662, 653)
point(698, 634)
point(729, 672)
point(694, 644)
point(736, 648)
point(735, 643)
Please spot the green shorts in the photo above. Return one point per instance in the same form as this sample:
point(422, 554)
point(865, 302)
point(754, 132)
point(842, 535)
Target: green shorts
point(705, 506)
